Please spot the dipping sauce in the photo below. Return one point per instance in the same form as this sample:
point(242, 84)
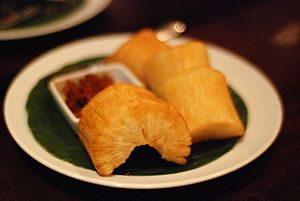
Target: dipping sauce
point(79, 93)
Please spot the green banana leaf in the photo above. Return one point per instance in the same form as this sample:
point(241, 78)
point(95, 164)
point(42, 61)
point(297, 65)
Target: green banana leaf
point(53, 133)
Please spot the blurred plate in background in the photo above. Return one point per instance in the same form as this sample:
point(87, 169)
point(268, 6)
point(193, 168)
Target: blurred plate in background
point(79, 14)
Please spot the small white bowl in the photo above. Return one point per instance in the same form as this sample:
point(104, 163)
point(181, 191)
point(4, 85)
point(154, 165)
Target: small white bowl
point(116, 71)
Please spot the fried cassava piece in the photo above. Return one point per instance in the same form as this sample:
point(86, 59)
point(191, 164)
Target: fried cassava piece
point(142, 46)
point(122, 117)
point(174, 61)
point(182, 76)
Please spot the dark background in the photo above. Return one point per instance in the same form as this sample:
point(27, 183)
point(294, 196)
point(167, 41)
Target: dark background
point(249, 28)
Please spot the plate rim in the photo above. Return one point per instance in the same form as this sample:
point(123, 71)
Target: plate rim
point(118, 181)
point(85, 12)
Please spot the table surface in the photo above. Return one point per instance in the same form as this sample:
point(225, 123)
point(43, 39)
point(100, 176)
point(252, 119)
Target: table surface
point(267, 33)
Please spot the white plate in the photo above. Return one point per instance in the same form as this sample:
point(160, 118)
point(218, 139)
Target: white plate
point(262, 100)
point(89, 9)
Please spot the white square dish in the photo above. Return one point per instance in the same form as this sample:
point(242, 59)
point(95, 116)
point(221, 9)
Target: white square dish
point(116, 71)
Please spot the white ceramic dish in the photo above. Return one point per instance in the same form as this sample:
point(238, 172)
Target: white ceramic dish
point(88, 10)
point(265, 114)
point(116, 71)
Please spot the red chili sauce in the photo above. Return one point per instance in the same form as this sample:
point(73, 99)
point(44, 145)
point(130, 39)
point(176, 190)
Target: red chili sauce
point(78, 94)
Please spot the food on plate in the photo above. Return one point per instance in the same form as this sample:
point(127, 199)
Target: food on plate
point(183, 77)
point(189, 103)
point(201, 96)
point(77, 94)
point(122, 117)
point(174, 61)
point(137, 50)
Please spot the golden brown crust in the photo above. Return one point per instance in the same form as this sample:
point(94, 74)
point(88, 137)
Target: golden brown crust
point(202, 97)
point(138, 50)
point(174, 61)
point(124, 116)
